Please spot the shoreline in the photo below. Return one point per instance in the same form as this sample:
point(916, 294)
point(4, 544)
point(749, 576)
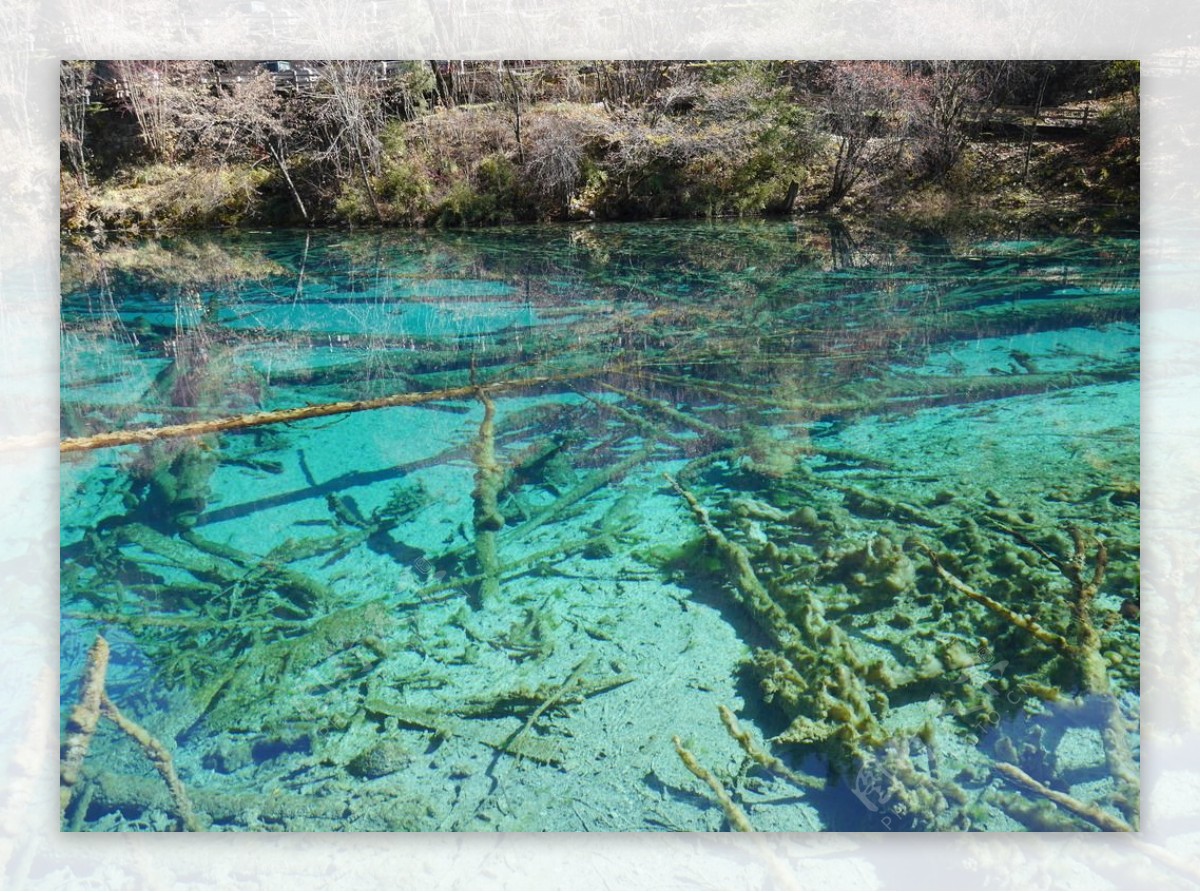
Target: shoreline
point(1046, 217)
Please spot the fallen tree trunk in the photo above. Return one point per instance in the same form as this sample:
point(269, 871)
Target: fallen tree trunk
point(118, 792)
point(284, 416)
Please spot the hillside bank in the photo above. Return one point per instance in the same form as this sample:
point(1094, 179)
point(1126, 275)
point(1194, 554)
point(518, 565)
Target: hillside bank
point(162, 146)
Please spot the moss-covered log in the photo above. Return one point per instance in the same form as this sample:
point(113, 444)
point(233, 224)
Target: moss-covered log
point(490, 479)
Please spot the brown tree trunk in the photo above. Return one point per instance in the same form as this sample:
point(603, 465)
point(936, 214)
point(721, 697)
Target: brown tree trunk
point(362, 168)
point(279, 162)
point(284, 416)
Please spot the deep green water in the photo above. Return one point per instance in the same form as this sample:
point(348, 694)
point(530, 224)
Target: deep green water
point(877, 495)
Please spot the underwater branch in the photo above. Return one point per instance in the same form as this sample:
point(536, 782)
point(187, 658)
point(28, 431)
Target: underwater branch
point(737, 818)
point(1084, 652)
point(81, 725)
point(1088, 812)
point(1058, 642)
point(85, 716)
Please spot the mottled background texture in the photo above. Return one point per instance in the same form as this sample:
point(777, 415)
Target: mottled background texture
point(35, 34)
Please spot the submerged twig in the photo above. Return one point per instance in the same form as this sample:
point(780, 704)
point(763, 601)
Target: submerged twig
point(1085, 810)
point(737, 818)
point(559, 693)
point(1058, 642)
point(761, 756)
point(160, 759)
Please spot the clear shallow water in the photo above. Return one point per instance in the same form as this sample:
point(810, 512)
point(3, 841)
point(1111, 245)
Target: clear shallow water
point(894, 461)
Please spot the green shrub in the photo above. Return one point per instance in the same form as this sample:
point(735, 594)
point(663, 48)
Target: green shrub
point(489, 196)
point(496, 175)
point(406, 190)
point(354, 205)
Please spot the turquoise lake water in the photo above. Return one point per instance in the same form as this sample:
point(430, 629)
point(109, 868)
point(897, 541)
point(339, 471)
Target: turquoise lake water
point(877, 495)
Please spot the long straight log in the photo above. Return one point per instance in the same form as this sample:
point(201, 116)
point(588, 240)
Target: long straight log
point(116, 792)
point(284, 416)
point(914, 392)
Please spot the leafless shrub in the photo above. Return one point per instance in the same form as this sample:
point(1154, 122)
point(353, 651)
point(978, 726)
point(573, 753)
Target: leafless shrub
point(870, 107)
point(629, 82)
point(157, 95)
point(558, 144)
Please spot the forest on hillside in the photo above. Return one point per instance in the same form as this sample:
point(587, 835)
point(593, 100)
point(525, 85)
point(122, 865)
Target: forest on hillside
point(152, 145)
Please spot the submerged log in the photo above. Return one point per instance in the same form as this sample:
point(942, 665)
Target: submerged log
point(489, 481)
point(285, 416)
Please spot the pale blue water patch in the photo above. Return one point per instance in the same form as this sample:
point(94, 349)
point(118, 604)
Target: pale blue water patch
point(1009, 246)
point(455, 319)
point(104, 372)
point(447, 289)
point(1078, 349)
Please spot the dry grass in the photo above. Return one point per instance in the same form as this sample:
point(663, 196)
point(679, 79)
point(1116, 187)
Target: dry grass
point(164, 196)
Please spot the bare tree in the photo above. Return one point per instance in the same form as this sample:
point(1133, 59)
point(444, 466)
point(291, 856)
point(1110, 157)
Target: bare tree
point(73, 88)
point(350, 111)
point(953, 94)
point(157, 94)
point(240, 120)
point(869, 108)
point(511, 91)
point(558, 146)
